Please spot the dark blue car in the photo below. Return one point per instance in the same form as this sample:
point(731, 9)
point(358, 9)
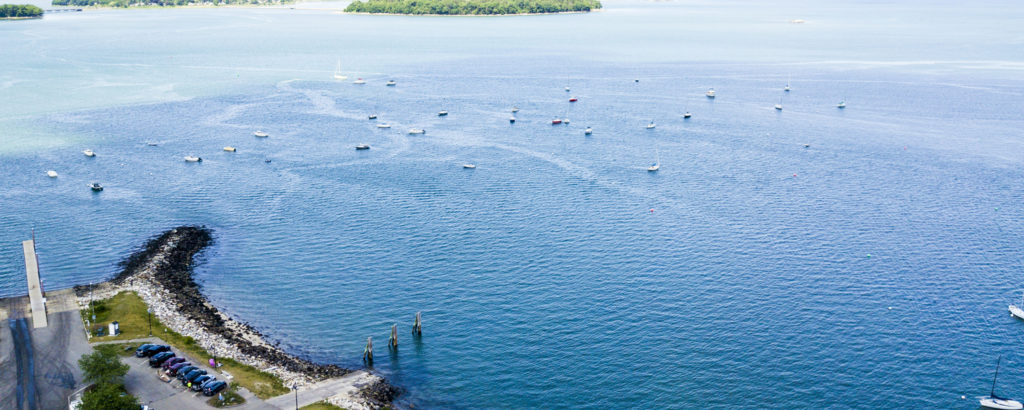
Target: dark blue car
point(138, 352)
point(152, 350)
point(159, 358)
point(213, 388)
point(180, 374)
point(197, 384)
point(190, 376)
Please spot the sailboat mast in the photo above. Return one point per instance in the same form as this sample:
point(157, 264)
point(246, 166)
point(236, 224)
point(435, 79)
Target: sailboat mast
point(993, 392)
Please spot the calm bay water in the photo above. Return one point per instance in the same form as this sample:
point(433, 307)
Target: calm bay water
point(749, 271)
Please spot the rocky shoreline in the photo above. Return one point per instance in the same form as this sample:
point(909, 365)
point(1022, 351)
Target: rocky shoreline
point(161, 274)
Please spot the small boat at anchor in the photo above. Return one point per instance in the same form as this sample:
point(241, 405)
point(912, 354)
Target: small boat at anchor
point(229, 149)
point(384, 125)
point(361, 147)
point(996, 402)
point(337, 72)
point(556, 121)
point(511, 120)
point(710, 93)
point(359, 81)
point(469, 166)
point(96, 187)
point(415, 131)
point(89, 153)
point(515, 109)
point(390, 83)
point(1018, 311)
point(841, 105)
point(51, 173)
point(442, 113)
point(193, 158)
point(588, 131)
point(650, 126)
point(657, 163)
point(573, 99)
point(372, 116)
point(778, 107)
point(686, 115)
point(260, 134)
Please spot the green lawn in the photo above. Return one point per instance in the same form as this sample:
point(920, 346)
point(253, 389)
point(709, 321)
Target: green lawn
point(323, 405)
point(128, 309)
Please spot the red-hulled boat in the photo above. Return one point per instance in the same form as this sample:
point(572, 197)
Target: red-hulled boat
point(556, 121)
point(573, 99)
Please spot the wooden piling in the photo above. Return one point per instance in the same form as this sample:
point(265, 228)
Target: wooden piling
point(417, 329)
point(368, 350)
point(393, 340)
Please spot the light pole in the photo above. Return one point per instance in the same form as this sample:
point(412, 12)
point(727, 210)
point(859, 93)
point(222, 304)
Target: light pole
point(295, 387)
point(149, 317)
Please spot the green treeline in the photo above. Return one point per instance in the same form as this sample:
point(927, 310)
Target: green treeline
point(19, 10)
point(163, 3)
point(470, 7)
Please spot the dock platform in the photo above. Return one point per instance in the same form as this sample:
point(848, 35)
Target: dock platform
point(35, 289)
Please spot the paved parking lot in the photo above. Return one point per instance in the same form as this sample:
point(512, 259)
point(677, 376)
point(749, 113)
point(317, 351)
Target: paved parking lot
point(144, 382)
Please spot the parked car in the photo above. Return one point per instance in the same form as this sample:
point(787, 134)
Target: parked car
point(213, 388)
point(197, 384)
point(154, 349)
point(208, 382)
point(173, 370)
point(180, 374)
point(190, 376)
point(159, 358)
point(171, 362)
point(138, 352)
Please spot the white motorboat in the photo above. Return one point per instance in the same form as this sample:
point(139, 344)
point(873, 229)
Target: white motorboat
point(193, 158)
point(229, 149)
point(511, 120)
point(359, 81)
point(565, 121)
point(51, 173)
point(372, 116)
point(96, 187)
point(390, 83)
point(361, 147)
point(469, 166)
point(787, 87)
point(442, 113)
point(996, 402)
point(1015, 311)
point(710, 93)
point(89, 153)
point(686, 114)
point(588, 131)
point(260, 134)
point(384, 125)
point(515, 109)
point(417, 131)
point(651, 125)
point(151, 144)
point(841, 105)
point(778, 107)
point(337, 72)
point(566, 88)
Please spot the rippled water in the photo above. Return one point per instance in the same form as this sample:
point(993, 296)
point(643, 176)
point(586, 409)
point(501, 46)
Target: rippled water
point(748, 271)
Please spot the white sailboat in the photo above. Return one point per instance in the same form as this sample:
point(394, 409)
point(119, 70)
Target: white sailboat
point(89, 153)
point(996, 402)
point(651, 125)
point(657, 163)
point(710, 93)
point(787, 86)
point(1018, 311)
point(51, 173)
point(337, 72)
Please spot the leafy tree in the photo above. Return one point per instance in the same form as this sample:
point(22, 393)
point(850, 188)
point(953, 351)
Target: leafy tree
point(20, 10)
point(102, 367)
point(108, 396)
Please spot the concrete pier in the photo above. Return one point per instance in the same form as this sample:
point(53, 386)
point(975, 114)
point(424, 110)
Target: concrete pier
point(35, 290)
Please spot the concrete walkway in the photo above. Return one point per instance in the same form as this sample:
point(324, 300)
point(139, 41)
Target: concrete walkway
point(318, 392)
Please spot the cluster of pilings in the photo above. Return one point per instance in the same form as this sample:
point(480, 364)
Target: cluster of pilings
point(417, 330)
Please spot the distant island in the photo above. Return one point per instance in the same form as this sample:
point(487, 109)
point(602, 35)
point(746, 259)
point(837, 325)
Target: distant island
point(166, 3)
point(471, 7)
point(19, 11)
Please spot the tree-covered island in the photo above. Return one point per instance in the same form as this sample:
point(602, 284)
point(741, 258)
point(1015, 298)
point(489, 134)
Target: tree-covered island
point(471, 7)
point(166, 3)
point(19, 11)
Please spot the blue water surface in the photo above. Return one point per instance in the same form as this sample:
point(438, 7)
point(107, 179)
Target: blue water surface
point(809, 257)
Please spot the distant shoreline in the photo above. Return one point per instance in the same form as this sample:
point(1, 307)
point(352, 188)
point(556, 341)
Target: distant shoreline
point(468, 15)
